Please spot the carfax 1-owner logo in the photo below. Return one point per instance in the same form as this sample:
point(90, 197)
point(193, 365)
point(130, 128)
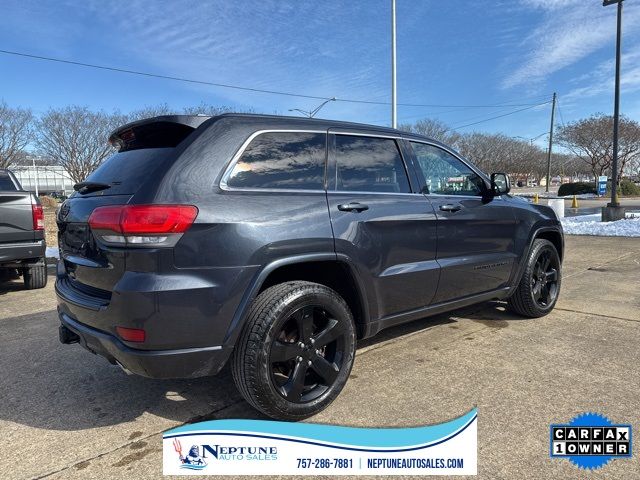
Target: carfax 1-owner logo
point(590, 441)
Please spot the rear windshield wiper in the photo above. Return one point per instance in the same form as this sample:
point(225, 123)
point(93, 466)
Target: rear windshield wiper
point(86, 187)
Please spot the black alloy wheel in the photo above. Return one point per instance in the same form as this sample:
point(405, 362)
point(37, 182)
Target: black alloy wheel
point(539, 286)
point(296, 350)
point(544, 280)
point(307, 354)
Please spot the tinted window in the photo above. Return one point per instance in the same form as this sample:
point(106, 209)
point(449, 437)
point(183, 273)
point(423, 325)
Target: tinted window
point(5, 182)
point(368, 164)
point(125, 171)
point(289, 160)
point(445, 174)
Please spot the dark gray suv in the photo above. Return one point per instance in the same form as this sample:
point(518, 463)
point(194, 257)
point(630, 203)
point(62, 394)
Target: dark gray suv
point(274, 243)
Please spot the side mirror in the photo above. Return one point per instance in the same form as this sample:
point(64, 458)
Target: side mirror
point(500, 183)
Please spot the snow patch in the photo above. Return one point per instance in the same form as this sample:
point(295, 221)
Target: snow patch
point(52, 252)
point(591, 225)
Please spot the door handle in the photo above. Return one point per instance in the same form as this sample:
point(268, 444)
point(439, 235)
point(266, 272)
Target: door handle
point(353, 207)
point(449, 207)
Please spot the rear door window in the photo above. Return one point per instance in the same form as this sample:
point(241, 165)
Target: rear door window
point(281, 160)
point(6, 183)
point(369, 164)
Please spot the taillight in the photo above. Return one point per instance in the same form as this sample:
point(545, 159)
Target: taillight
point(131, 334)
point(37, 214)
point(153, 225)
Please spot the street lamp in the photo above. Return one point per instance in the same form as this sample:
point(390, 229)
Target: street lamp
point(531, 140)
point(312, 113)
point(613, 210)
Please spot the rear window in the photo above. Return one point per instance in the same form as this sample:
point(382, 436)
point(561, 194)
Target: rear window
point(6, 183)
point(126, 171)
point(282, 160)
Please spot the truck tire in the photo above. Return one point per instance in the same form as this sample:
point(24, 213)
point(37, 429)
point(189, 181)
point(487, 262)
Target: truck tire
point(539, 287)
point(35, 277)
point(296, 350)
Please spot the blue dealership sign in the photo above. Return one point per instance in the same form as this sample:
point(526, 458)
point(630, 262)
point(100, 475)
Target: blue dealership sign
point(602, 185)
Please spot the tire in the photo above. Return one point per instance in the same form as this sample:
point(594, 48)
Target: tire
point(539, 287)
point(288, 336)
point(35, 277)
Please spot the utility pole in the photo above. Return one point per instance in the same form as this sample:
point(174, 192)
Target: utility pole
point(553, 114)
point(394, 99)
point(613, 210)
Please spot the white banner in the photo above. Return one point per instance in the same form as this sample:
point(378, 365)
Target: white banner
point(258, 447)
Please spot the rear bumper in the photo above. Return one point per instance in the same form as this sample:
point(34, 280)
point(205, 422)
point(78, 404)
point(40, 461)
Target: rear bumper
point(181, 363)
point(11, 253)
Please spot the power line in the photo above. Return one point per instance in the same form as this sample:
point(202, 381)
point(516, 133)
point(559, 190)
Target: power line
point(156, 75)
point(560, 113)
point(247, 89)
point(499, 116)
point(482, 116)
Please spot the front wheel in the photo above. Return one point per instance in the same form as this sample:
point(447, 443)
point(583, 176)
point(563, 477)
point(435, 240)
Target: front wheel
point(296, 350)
point(539, 287)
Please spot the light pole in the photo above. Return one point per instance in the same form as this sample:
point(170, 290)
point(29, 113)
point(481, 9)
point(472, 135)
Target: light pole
point(531, 140)
point(312, 113)
point(394, 97)
point(613, 210)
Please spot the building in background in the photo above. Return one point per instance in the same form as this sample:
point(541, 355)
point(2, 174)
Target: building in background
point(50, 178)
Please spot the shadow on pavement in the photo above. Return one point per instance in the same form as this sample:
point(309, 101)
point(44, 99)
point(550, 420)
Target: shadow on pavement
point(52, 386)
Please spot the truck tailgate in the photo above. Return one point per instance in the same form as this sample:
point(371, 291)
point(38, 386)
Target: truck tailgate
point(16, 219)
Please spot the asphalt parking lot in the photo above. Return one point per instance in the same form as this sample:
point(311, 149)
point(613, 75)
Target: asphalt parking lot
point(65, 413)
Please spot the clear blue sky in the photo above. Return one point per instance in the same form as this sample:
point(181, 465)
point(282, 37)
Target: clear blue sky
point(449, 52)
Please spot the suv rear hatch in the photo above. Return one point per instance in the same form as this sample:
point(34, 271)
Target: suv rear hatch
point(91, 267)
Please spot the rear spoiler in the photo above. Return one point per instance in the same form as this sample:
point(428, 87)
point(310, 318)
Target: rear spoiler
point(156, 132)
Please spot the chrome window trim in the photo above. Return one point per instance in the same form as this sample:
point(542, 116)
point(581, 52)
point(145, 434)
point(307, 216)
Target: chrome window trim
point(373, 135)
point(241, 150)
point(450, 195)
point(359, 192)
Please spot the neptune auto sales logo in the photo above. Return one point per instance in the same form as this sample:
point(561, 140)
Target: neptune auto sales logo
point(198, 455)
point(192, 460)
point(590, 441)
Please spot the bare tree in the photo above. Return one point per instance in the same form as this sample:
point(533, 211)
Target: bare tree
point(151, 111)
point(432, 128)
point(164, 109)
point(208, 109)
point(15, 133)
point(591, 140)
point(76, 138)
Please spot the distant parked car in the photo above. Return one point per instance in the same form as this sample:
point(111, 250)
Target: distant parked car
point(274, 243)
point(22, 243)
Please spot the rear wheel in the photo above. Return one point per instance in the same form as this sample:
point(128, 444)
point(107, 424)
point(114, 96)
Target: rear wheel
point(538, 290)
point(36, 276)
point(296, 350)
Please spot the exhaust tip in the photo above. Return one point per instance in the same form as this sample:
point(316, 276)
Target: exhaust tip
point(124, 369)
point(67, 336)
